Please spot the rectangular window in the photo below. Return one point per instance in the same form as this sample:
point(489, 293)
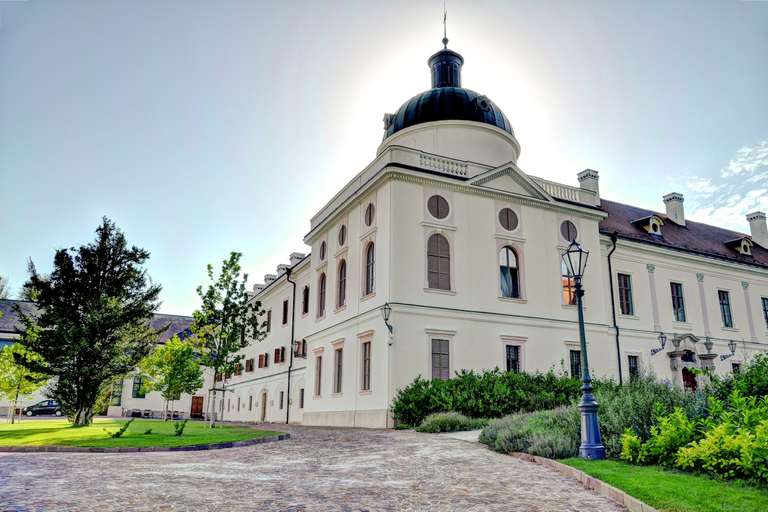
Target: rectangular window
point(281, 400)
point(266, 360)
point(318, 375)
point(282, 354)
point(633, 363)
point(678, 306)
point(229, 404)
point(138, 382)
point(277, 356)
point(249, 365)
point(576, 364)
point(725, 308)
point(305, 301)
point(366, 366)
point(338, 356)
point(765, 311)
point(285, 311)
point(250, 402)
point(440, 360)
point(736, 367)
point(238, 404)
point(569, 286)
point(261, 361)
point(117, 392)
point(513, 358)
point(625, 295)
point(269, 321)
point(301, 398)
point(238, 370)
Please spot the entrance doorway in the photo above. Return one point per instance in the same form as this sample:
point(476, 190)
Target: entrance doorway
point(197, 407)
point(264, 406)
point(689, 380)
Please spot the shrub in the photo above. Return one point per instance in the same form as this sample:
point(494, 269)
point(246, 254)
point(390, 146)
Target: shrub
point(490, 394)
point(552, 434)
point(450, 422)
point(179, 426)
point(121, 431)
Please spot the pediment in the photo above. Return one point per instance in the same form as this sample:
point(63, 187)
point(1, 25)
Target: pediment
point(508, 178)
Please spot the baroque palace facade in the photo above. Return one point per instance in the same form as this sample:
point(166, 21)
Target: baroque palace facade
point(465, 248)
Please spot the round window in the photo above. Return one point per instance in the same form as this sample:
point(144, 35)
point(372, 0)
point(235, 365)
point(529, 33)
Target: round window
point(508, 219)
point(342, 234)
point(322, 251)
point(370, 212)
point(437, 207)
point(568, 230)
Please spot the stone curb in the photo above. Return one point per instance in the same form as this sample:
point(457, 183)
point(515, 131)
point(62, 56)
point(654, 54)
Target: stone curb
point(590, 482)
point(145, 449)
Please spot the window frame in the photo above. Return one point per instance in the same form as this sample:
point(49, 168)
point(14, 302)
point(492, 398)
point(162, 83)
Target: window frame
point(436, 214)
point(726, 313)
point(269, 320)
point(443, 343)
point(625, 294)
point(576, 365)
point(305, 300)
point(285, 312)
point(442, 260)
point(519, 351)
point(369, 283)
point(567, 291)
point(633, 371)
point(678, 311)
point(322, 283)
point(338, 371)
point(319, 375)
point(365, 364)
point(341, 294)
point(136, 389)
point(764, 301)
point(514, 291)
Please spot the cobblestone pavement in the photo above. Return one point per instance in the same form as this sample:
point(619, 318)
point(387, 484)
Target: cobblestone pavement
point(318, 469)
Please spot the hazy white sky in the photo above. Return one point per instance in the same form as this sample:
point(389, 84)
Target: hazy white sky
point(203, 127)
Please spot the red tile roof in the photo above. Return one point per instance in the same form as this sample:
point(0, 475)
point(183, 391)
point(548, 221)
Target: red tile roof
point(695, 237)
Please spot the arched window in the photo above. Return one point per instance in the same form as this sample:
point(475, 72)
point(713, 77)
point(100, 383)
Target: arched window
point(342, 298)
point(305, 301)
point(569, 286)
point(370, 268)
point(438, 263)
point(321, 297)
point(509, 273)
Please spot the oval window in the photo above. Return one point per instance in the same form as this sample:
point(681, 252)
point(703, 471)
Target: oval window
point(508, 219)
point(322, 251)
point(370, 212)
point(437, 207)
point(568, 230)
point(342, 234)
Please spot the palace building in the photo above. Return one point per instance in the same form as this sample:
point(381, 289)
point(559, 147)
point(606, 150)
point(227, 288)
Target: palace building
point(462, 249)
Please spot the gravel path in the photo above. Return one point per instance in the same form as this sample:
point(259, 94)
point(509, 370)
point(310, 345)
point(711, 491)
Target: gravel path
point(318, 469)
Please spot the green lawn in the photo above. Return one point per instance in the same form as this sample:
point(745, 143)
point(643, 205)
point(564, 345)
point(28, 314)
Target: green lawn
point(61, 433)
point(674, 491)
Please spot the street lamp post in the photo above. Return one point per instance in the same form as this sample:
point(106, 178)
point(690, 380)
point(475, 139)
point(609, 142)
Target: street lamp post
point(591, 447)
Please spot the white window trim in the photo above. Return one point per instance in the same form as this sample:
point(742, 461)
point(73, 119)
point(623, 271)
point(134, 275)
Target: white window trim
point(519, 249)
point(518, 341)
point(365, 337)
point(441, 334)
point(448, 235)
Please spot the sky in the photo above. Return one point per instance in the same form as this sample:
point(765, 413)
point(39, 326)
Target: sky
point(205, 127)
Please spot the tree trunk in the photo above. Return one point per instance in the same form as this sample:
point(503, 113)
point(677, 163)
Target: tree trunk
point(83, 417)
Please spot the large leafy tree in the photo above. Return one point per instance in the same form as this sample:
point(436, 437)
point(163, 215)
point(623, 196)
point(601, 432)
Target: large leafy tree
point(15, 379)
point(173, 369)
point(227, 320)
point(93, 324)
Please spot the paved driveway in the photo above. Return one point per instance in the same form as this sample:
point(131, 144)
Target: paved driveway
point(318, 469)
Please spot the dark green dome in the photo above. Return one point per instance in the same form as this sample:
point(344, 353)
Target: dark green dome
point(447, 100)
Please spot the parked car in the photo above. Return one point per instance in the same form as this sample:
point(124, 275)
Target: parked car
point(44, 407)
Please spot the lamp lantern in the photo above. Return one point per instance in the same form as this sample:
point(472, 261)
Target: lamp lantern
point(575, 258)
point(732, 346)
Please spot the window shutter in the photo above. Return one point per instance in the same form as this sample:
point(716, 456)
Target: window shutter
point(266, 360)
point(261, 361)
point(282, 354)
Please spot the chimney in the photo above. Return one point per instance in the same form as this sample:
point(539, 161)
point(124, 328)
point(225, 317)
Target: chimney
point(758, 228)
point(281, 269)
point(257, 288)
point(674, 203)
point(268, 278)
point(588, 181)
point(296, 257)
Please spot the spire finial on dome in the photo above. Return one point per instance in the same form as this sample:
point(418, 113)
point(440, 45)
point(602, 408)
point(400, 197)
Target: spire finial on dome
point(445, 31)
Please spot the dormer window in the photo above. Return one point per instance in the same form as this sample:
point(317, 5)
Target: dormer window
point(743, 245)
point(651, 224)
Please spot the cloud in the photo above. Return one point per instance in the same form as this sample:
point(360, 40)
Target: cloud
point(725, 198)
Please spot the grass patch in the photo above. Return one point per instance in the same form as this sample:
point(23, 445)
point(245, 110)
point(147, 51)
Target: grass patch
point(674, 491)
point(61, 433)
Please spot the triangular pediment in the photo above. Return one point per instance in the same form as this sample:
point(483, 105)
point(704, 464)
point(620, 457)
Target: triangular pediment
point(510, 179)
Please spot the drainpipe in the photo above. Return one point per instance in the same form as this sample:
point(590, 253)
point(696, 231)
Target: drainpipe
point(290, 347)
point(614, 239)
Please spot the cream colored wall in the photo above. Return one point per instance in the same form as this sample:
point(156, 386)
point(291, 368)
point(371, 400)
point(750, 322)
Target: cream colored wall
point(639, 332)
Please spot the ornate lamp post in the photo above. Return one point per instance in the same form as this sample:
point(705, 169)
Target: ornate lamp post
point(591, 447)
point(386, 312)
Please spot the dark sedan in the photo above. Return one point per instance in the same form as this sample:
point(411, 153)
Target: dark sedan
point(44, 407)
